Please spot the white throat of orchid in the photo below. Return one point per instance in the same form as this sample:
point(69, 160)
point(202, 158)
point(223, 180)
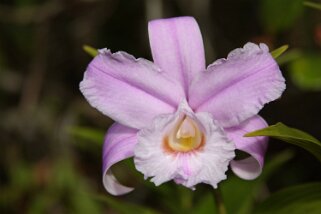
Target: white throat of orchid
point(186, 136)
point(186, 147)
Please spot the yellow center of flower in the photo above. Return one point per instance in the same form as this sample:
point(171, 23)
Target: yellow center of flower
point(186, 136)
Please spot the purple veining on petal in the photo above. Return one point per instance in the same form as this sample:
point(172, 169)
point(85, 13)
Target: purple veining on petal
point(139, 87)
point(251, 167)
point(184, 78)
point(129, 91)
point(119, 145)
point(177, 47)
point(237, 88)
point(233, 82)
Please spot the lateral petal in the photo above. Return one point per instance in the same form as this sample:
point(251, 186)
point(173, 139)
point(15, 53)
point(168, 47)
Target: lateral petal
point(177, 47)
point(251, 167)
point(119, 145)
point(236, 88)
point(128, 90)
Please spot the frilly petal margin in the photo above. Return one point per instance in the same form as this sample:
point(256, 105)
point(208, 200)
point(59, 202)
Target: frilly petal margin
point(206, 164)
point(130, 91)
point(119, 144)
point(235, 89)
point(251, 167)
point(177, 48)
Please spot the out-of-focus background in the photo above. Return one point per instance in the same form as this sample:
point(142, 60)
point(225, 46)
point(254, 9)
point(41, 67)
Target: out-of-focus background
point(51, 139)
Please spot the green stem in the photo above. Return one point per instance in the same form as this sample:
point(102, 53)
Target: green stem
point(219, 201)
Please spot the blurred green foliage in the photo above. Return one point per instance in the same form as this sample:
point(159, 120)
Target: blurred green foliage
point(51, 139)
point(88, 134)
point(54, 187)
point(279, 15)
point(248, 193)
point(298, 199)
point(312, 5)
point(306, 72)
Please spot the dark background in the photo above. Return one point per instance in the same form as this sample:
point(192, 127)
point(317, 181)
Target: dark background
point(50, 154)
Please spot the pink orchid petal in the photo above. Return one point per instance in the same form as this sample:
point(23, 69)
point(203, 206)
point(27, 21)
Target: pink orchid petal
point(177, 47)
point(251, 167)
point(130, 91)
point(119, 145)
point(236, 88)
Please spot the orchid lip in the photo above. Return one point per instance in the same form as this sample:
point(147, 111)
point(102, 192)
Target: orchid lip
point(185, 136)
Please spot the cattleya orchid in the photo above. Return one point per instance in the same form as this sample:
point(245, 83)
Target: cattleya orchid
point(178, 119)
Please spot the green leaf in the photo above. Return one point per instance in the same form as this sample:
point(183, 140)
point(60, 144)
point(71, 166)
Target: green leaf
point(306, 72)
point(277, 52)
point(299, 199)
point(279, 15)
point(291, 135)
point(89, 134)
point(90, 50)
point(312, 5)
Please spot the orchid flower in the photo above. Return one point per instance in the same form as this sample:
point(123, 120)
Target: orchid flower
point(178, 119)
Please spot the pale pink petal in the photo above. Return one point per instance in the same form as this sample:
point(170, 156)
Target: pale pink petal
point(119, 145)
point(250, 167)
point(130, 91)
point(236, 88)
point(177, 47)
point(204, 165)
